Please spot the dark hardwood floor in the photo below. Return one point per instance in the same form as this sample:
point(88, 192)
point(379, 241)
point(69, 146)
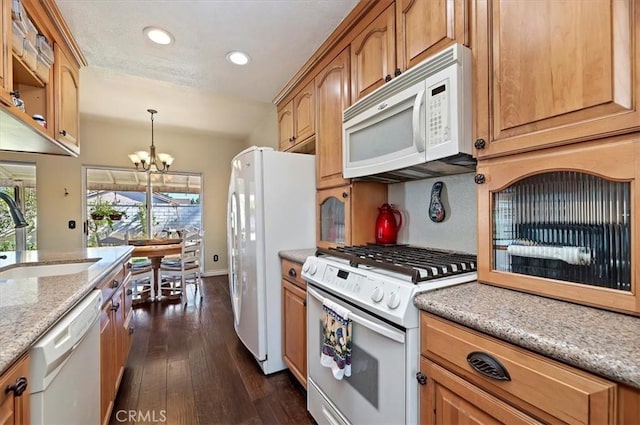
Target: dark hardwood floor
point(187, 366)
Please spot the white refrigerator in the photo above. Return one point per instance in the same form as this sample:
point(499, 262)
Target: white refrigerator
point(271, 207)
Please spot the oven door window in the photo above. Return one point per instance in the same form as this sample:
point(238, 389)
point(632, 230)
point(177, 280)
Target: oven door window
point(375, 391)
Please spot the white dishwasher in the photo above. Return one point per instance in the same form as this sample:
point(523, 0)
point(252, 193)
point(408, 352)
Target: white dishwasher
point(65, 368)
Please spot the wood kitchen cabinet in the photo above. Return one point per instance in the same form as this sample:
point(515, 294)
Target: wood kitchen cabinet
point(116, 332)
point(332, 90)
point(403, 35)
point(66, 77)
point(542, 79)
point(603, 169)
point(294, 320)
point(5, 51)
point(347, 215)
point(52, 93)
point(296, 119)
point(536, 389)
point(373, 55)
point(14, 397)
point(425, 27)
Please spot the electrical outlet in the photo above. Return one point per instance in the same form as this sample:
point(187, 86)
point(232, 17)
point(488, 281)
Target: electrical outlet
point(215, 257)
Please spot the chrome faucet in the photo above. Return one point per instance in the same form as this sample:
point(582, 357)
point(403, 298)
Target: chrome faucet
point(18, 220)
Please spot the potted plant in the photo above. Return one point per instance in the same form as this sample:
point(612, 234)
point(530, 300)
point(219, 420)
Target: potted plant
point(102, 210)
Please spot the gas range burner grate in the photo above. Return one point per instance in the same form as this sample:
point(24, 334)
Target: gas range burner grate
point(420, 264)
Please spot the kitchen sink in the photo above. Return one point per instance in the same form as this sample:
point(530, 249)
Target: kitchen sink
point(40, 270)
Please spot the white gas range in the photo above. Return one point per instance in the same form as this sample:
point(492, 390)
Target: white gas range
point(376, 284)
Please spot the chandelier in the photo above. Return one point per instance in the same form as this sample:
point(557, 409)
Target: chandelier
point(149, 161)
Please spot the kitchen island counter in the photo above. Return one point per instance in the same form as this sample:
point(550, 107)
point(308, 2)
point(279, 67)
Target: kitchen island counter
point(598, 341)
point(31, 306)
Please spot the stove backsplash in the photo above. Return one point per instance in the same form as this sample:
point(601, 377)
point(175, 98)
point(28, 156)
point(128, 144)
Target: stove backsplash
point(458, 230)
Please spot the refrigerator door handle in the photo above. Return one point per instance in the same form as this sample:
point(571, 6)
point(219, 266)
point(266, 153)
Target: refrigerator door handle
point(234, 282)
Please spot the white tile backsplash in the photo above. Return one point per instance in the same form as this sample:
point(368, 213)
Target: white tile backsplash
point(459, 229)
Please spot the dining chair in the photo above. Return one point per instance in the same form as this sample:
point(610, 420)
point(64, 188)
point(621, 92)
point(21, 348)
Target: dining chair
point(177, 273)
point(142, 279)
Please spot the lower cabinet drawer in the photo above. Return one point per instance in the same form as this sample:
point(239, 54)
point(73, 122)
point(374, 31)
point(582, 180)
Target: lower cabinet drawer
point(534, 382)
point(292, 271)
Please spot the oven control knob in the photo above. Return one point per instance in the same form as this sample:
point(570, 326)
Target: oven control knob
point(393, 301)
point(377, 295)
point(312, 269)
point(305, 267)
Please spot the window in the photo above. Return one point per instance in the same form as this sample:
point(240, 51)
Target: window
point(174, 200)
point(18, 181)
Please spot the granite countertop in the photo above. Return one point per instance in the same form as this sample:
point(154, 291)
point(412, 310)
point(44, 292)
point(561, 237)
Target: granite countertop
point(30, 306)
point(599, 341)
point(297, 255)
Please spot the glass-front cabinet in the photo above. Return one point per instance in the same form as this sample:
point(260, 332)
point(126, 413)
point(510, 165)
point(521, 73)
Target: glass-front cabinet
point(337, 208)
point(333, 210)
point(563, 223)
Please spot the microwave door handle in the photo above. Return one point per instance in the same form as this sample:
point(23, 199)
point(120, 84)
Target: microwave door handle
point(418, 134)
point(372, 326)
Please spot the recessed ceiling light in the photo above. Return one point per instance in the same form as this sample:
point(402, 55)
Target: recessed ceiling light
point(158, 35)
point(238, 58)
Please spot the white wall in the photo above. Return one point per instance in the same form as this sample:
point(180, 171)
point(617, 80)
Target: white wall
point(266, 133)
point(458, 231)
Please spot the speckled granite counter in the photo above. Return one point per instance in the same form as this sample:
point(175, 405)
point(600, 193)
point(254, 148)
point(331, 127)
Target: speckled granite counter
point(297, 255)
point(30, 306)
point(599, 341)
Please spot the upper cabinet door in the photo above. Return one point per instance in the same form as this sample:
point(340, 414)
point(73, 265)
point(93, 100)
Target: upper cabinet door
point(551, 72)
point(285, 126)
point(67, 83)
point(5, 51)
point(425, 27)
point(304, 113)
point(332, 91)
point(373, 55)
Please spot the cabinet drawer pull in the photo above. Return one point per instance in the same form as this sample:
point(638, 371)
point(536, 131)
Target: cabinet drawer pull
point(129, 291)
point(421, 378)
point(292, 272)
point(488, 366)
point(115, 306)
point(115, 283)
point(63, 132)
point(131, 330)
point(17, 388)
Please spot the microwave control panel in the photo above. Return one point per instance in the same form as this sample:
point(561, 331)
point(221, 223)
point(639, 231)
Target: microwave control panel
point(439, 125)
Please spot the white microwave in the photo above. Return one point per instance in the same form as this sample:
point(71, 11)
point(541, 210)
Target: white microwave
point(417, 125)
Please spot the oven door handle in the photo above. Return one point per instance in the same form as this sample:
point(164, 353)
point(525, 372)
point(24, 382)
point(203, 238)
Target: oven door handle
point(372, 326)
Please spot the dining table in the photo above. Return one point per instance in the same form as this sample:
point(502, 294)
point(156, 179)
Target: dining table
point(155, 250)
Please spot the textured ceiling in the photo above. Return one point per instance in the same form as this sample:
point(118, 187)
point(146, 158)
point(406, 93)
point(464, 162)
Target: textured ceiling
point(190, 80)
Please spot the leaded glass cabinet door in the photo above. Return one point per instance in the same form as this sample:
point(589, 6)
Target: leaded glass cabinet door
point(563, 223)
point(333, 212)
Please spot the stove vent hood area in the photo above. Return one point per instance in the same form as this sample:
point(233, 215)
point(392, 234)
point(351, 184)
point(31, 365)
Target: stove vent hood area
point(457, 164)
point(18, 136)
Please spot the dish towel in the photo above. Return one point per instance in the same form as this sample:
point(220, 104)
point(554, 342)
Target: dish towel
point(336, 344)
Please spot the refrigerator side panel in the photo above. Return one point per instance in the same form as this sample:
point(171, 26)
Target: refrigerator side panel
point(289, 217)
